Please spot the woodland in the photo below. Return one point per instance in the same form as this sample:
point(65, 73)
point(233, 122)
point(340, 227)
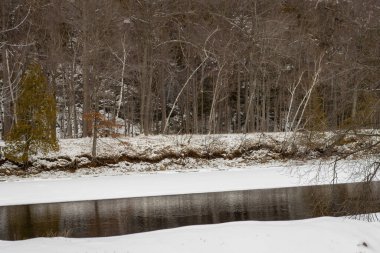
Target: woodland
point(127, 67)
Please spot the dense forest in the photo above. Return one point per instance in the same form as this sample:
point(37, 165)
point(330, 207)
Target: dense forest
point(195, 66)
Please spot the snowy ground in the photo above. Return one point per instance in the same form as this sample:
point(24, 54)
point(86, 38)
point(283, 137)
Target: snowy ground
point(333, 235)
point(88, 187)
point(262, 168)
point(155, 145)
point(185, 152)
point(173, 176)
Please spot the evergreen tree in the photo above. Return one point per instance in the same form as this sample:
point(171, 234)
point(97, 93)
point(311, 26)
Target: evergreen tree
point(34, 128)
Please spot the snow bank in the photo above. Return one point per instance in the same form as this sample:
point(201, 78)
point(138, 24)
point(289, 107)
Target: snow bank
point(39, 190)
point(154, 145)
point(333, 235)
point(173, 152)
point(123, 186)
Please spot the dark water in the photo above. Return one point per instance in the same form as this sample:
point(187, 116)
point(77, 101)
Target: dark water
point(132, 215)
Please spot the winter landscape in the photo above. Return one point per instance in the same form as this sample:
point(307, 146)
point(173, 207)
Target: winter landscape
point(189, 126)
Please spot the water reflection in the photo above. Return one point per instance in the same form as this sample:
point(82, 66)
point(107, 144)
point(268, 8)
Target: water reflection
point(132, 215)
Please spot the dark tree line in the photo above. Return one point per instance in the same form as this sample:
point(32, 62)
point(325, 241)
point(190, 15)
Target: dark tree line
point(196, 66)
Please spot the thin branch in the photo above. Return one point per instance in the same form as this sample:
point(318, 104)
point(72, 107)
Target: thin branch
point(179, 94)
point(19, 24)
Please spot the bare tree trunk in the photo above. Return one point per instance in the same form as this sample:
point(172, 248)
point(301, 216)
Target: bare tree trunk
point(7, 120)
point(202, 100)
point(148, 115)
point(163, 103)
point(263, 105)
point(250, 98)
point(227, 116)
point(354, 101)
point(238, 102)
point(195, 107)
point(216, 91)
point(86, 71)
point(122, 87)
point(67, 132)
point(126, 110)
point(95, 128)
point(132, 113)
point(288, 125)
point(143, 90)
point(72, 107)
point(187, 111)
point(6, 100)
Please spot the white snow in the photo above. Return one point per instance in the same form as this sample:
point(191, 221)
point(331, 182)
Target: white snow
point(155, 145)
point(182, 153)
point(321, 235)
point(38, 190)
point(88, 188)
point(333, 235)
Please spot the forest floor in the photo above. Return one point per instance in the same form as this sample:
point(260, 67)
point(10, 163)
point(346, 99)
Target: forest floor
point(192, 152)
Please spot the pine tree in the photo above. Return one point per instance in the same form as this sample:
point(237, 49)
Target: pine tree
point(34, 128)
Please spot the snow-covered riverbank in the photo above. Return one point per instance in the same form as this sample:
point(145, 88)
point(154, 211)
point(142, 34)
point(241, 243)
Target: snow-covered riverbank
point(259, 165)
point(333, 235)
point(90, 187)
point(186, 152)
